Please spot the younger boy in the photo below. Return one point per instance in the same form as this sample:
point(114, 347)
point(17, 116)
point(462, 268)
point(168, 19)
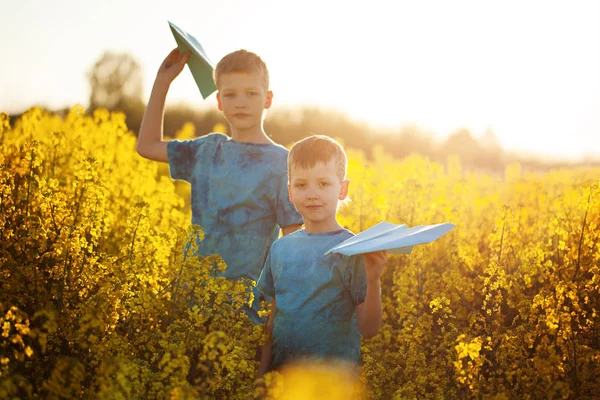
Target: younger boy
point(239, 183)
point(315, 297)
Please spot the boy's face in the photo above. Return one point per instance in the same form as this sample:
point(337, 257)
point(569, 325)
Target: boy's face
point(242, 97)
point(315, 193)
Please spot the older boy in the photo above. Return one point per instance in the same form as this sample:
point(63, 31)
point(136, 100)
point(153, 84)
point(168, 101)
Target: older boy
point(239, 184)
point(315, 297)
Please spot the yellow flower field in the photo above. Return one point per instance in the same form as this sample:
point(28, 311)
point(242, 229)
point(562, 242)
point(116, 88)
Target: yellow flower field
point(99, 300)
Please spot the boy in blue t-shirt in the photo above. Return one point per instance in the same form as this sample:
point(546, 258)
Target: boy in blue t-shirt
point(239, 183)
point(320, 304)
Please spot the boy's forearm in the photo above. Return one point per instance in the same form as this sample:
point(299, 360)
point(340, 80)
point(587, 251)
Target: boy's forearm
point(372, 312)
point(265, 355)
point(150, 137)
point(265, 358)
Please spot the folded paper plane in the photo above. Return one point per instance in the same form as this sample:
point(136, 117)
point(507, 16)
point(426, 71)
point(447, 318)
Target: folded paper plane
point(199, 64)
point(396, 239)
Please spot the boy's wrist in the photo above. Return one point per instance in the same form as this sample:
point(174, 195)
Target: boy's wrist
point(162, 83)
point(374, 282)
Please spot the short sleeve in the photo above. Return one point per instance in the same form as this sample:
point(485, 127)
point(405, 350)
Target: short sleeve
point(286, 211)
point(355, 278)
point(183, 155)
point(265, 281)
point(182, 158)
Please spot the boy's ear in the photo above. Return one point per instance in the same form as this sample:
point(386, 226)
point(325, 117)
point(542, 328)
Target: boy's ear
point(219, 104)
point(290, 192)
point(269, 99)
point(344, 190)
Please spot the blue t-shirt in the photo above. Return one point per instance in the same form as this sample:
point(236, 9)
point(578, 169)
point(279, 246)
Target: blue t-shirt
point(316, 297)
point(239, 198)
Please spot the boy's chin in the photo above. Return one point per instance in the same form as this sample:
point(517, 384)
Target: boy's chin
point(242, 125)
point(315, 221)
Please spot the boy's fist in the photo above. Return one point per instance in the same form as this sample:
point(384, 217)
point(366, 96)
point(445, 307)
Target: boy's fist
point(374, 264)
point(172, 65)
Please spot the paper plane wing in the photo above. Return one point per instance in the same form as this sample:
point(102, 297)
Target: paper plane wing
point(375, 231)
point(199, 64)
point(398, 240)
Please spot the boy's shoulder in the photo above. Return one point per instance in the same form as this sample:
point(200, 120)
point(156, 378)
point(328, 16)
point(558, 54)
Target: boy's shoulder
point(280, 149)
point(221, 138)
point(216, 137)
point(290, 237)
point(273, 148)
point(287, 240)
point(213, 137)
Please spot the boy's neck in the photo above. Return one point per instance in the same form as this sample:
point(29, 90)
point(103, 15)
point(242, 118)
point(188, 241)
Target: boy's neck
point(255, 135)
point(322, 227)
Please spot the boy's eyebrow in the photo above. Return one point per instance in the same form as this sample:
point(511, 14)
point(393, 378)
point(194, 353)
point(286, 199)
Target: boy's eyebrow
point(246, 88)
point(319, 178)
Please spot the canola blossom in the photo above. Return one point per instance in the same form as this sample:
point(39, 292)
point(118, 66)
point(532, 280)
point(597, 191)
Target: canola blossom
point(98, 298)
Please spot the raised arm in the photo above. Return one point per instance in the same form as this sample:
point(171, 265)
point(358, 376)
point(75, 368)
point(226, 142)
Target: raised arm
point(369, 314)
point(150, 137)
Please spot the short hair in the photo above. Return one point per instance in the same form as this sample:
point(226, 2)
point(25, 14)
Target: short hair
point(317, 148)
point(242, 61)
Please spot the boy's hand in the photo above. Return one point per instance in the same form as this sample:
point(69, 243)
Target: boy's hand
point(172, 66)
point(374, 264)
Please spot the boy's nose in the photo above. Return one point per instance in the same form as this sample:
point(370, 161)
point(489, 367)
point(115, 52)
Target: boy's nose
point(311, 195)
point(241, 103)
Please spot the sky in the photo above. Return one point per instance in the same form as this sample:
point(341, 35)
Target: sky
point(527, 70)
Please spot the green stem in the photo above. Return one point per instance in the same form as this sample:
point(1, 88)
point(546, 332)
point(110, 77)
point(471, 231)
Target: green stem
point(581, 237)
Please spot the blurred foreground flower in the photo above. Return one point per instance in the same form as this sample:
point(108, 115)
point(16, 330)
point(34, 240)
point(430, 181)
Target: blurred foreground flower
point(311, 381)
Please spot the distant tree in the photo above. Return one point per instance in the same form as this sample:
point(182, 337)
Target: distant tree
point(490, 140)
point(116, 83)
point(464, 145)
point(407, 141)
point(114, 78)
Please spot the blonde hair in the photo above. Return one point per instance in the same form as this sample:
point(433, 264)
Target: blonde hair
point(317, 148)
point(242, 61)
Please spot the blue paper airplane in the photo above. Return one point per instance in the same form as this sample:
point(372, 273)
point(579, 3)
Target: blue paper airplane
point(199, 64)
point(396, 239)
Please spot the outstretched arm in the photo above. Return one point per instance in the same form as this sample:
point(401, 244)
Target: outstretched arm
point(369, 313)
point(150, 137)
